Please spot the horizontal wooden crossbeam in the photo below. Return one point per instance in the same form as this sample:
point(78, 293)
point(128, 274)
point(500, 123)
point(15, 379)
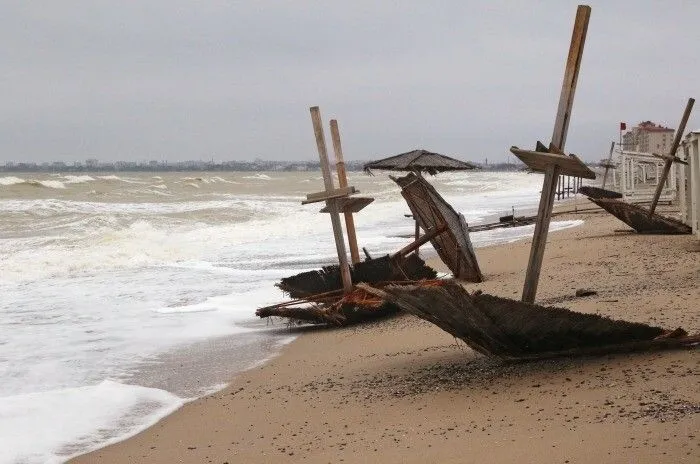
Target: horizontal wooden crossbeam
point(670, 158)
point(329, 194)
point(569, 165)
point(348, 205)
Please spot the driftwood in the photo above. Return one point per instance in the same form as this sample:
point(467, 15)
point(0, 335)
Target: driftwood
point(516, 330)
point(639, 218)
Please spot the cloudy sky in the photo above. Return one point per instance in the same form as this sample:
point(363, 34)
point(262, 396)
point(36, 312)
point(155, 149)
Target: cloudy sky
point(176, 80)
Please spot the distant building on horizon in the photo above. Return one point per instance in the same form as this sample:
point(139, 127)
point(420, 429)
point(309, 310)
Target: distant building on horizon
point(648, 137)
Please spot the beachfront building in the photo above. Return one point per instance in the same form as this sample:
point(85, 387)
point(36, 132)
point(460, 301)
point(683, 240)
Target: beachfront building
point(648, 137)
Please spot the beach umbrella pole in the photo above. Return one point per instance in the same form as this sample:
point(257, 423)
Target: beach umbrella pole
point(553, 169)
point(331, 202)
point(343, 182)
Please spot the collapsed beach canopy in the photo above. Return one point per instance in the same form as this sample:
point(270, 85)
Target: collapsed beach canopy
point(319, 297)
point(419, 161)
point(433, 213)
point(516, 330)
point(640, 219)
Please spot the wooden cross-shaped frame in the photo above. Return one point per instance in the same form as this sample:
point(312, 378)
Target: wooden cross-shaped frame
point(552, 160)
point(337, 200)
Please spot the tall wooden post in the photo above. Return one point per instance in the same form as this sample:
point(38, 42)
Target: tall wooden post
point(343, 181)
point(607, 165)
point(335, 216)
point(561, 127)
point(661, 181)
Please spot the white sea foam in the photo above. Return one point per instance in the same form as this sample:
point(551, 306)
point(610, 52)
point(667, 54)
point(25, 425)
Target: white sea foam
point(122, 179)
point(258, 177)
point(77, 179)
point(11, 180)
point(51, 426)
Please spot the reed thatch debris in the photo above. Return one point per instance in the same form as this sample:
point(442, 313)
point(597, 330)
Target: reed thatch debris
point(382, 269)
point(338, 309)
point(318, 295)
point(419, 161)
point(513, 329)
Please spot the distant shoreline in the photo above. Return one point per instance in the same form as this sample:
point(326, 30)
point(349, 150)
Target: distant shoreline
point(197, 166)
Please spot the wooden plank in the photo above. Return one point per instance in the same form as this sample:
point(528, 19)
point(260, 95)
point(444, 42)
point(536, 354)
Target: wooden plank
point(539, 239)
point(328, 182)
point(568, 88)
point(328, 195)
point(569, 165)
point(672, 153)
point(554, 164)
point(348, 205)
point(672, 159)
point(343, 181)
point(431, 234)
point(608, 165)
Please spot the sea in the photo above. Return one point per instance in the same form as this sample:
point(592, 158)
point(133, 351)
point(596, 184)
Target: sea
point(125, 295)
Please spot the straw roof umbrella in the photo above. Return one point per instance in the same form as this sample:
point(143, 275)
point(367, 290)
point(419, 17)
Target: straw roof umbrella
point(419, 161)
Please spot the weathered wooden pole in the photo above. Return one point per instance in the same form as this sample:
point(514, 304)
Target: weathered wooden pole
point(561, 127)
point(343, 181)
point(328, 182)
point(607, 165)
point(671, 156)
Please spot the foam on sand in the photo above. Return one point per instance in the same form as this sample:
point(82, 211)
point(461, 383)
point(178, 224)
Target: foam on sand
point(52, 426)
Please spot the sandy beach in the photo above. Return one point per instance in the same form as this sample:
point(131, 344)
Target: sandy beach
point(402, 390)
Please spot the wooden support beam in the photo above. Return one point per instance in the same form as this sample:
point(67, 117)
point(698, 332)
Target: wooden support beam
point(561, 127)
point(672, 154)
point(328, 182)
point(343, 182)
point(568, 88)
point(420, 241)
point(328, 195)
point(607, 165)
point(539, 239)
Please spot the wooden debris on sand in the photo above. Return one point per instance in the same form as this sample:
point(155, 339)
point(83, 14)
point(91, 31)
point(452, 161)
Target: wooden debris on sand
point(319, 297)
point(639, 219)
point(382, 269)
point(338, 309)
point(432, 212)
point(516, 330)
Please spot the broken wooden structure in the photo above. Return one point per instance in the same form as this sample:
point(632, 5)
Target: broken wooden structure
point(318, 297)
point(337, 200)
point(514, 330)
point(648, 221)
point(432, 213)
point(551, 160)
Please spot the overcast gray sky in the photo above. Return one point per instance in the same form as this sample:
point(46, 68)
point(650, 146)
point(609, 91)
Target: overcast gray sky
point(176, 80)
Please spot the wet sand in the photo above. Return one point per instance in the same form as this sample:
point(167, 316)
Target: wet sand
point(402, 390)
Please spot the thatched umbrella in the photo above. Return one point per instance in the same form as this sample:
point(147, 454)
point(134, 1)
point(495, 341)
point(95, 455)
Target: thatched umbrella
point(419, 161)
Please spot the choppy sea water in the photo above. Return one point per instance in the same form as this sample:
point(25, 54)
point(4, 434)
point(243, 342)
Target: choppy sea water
point(125, 295)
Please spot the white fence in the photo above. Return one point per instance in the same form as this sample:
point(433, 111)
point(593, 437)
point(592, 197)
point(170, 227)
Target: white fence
point(689, 181)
